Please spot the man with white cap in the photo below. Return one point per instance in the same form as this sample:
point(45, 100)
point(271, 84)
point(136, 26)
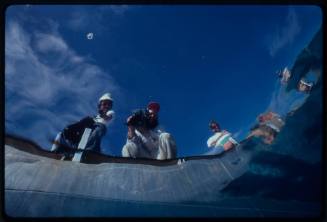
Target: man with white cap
point(304, 86)
point(71, 135)
point(143, 140)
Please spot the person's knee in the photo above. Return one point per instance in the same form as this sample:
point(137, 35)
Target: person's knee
point(165, 136)
point(129, 150)
point(57, 143)
point(167, 146)
point(100, 130)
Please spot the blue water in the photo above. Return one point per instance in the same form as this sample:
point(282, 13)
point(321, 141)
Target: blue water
point(291, 168)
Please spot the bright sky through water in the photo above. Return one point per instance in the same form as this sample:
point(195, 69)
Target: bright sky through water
point(199, 62)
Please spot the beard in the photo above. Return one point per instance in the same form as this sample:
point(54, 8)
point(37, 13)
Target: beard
point(152, 123)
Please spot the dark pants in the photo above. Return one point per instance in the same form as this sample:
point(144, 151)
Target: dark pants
point(94, 141)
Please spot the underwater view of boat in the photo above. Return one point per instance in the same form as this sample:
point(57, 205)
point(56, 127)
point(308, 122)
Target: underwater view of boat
point(282, 179)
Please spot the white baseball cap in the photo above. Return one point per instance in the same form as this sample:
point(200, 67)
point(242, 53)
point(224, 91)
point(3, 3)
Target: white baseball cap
point(106, 96)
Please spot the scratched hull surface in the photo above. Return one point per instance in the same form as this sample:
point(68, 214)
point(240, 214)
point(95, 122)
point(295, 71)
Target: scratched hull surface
point(42, 187)
point(183, 182)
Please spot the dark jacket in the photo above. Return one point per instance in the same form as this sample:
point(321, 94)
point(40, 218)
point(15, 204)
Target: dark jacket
point(74, 132)
point(138, 118)
point(141, 118)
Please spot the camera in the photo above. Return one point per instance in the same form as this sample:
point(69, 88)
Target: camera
point(137, 119)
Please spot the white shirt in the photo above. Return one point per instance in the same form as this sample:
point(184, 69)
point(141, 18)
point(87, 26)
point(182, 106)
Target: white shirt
point(99, 119)
point(218, 139)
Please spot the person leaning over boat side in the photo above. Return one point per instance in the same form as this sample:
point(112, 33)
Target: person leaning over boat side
point(144, 140)
point(268, 127)
point(71, 134)
point(221, 141)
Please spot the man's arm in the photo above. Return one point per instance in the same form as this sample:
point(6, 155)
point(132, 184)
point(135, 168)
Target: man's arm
point(131, 132)
point(136, 120)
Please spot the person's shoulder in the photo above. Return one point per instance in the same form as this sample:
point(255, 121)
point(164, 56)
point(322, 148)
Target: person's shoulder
point(88, 120)
point(214, 136)
point(138, 112)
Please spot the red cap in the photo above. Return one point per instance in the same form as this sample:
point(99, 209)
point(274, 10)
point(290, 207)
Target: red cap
point(154, 106)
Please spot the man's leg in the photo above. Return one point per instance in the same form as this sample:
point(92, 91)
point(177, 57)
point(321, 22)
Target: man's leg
point(60, 144)
point(56, 143)
point(167, 147)
point(63, 146)
point(130, 150)
point(94, 141)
